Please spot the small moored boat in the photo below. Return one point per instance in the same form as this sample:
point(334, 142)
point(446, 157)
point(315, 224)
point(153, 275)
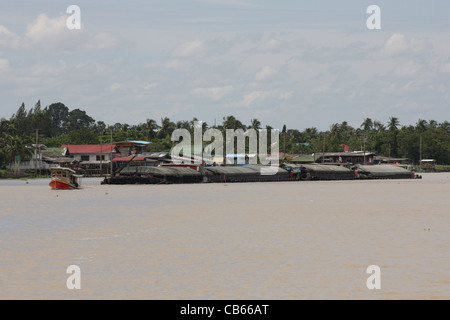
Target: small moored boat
point(64, 178)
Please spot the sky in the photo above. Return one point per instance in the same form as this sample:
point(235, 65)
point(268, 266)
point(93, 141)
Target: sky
point(296, 63)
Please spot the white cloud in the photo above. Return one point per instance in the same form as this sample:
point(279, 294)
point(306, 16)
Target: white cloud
point(189, 49)
point(4, 64)
point(214, 93)
point(228, 2)
point(320, 89)
point(255, 95)
point(407, 69)
point(445, 68)
point(149, 86)
point(8, 39)
point(45, 29)
point(176, 64)
point(47, 69)
point(6, 32)
point(271, 44)
point(286, 95)
point(115, 86)
point(265, 73)
point(101, 41)
point(51, 35)
point(399, 44)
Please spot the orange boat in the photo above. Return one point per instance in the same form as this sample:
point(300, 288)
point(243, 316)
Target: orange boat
point(64, 178)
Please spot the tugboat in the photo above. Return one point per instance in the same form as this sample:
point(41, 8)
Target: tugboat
point(64, 179)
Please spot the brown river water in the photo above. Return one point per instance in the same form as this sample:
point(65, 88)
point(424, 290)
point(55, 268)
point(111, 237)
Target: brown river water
point(280, 240)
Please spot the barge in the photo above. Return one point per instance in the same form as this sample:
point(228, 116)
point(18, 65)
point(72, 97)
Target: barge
point(174, 174)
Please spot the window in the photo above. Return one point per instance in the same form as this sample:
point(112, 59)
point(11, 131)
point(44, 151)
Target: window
point(102, 158)
point(84, 158)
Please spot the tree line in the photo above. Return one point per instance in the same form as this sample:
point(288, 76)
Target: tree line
point(56, 125)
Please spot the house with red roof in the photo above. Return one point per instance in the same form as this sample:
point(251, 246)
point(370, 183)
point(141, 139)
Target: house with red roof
point(92, 153)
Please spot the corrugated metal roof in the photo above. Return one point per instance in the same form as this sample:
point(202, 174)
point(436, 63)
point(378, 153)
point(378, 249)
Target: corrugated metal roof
point(251, 169)
point(129, 158)
point(134, 141)
point(95, 162)
point(240, 155)
point(89, 148)
point(304, 158)
point(325, 168)
point(344, 154)
point(163, 171)
point(54, 152)
point(383, 170)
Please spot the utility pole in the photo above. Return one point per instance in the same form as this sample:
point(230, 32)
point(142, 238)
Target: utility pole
point(323, 149)
point(36, 153)
point(101, 154)
point(111, 156)
point(365, 139)
point(420, 150)
point(389, 161)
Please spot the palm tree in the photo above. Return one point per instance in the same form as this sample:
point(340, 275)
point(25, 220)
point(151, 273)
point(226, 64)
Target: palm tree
point(367, 124)
point(336, 131)
point(432, 124)
point(393, 123)
point(166, 129)
point(393, 130)
point(183, 124)
point(230, 122)
point(255, 124)
point(422, 125)
point(152, 128)
point(15, 146)
point(310, 133)
point(446, 126)
point(378, 126)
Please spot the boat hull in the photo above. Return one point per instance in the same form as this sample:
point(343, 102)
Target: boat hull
point(57, 184)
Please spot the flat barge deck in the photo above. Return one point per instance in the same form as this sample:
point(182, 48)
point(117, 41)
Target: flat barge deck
point(253, 173)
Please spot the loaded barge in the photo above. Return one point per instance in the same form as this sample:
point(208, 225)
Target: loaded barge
point(174, 174)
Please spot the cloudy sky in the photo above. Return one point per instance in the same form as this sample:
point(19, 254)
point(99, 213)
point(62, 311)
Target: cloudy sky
point(299, 63)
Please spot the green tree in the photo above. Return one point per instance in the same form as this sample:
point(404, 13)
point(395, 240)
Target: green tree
point(367, 125)
point(255, 124)
point(166, 129)
point(152, 128)
point(82, 136)
point(78, 119)
point(59, 115)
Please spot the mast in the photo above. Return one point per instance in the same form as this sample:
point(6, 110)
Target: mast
point(365, 150)
point(35, 154)
point(111, 156)
point(323, 149)
point(420, 150)
point(101, 154)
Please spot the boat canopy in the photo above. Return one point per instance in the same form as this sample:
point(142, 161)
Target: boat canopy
point(251, 169)
point(62, 169)
point(320, 168)
point(162, 171)
point(383, 170)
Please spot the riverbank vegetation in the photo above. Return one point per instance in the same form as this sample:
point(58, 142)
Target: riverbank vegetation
point(56, 125)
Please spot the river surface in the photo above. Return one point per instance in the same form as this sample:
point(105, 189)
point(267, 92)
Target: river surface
point(281, 240)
